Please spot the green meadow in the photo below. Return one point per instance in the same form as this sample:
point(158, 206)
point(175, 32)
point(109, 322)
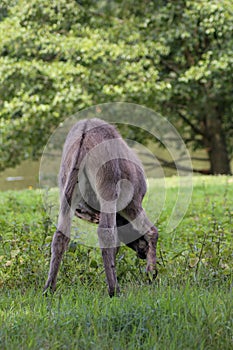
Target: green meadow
point(188, 306)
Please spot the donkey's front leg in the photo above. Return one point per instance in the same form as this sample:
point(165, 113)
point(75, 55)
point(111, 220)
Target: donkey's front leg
point(149, 234)
point(108, 243)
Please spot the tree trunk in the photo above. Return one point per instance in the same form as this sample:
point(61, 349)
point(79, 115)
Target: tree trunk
point(216, 145)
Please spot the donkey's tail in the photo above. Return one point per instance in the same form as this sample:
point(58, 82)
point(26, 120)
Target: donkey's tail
point(72, 176)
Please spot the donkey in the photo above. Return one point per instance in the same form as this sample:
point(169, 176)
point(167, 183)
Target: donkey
point(102, 180)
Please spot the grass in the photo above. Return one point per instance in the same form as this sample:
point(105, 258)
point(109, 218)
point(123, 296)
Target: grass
point(189, 306)
point(164, 317)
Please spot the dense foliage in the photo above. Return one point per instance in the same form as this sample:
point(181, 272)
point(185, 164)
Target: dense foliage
point(58, 57)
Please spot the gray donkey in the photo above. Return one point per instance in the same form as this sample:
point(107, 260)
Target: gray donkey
point(102, 180)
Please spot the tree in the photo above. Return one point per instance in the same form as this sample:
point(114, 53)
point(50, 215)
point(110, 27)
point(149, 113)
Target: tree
point(199, 66)
point(62, 56)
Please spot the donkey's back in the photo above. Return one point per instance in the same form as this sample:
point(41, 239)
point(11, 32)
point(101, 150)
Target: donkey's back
point(100, 167)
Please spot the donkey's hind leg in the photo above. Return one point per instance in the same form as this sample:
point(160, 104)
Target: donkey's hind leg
point(108, 241)
point(59, 245)
point(60, 242)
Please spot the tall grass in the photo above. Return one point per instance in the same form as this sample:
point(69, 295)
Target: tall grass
point(149, 317)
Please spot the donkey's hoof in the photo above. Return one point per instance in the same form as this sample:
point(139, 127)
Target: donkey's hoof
point(151, 275)
point(114, 292)
point(48, 290)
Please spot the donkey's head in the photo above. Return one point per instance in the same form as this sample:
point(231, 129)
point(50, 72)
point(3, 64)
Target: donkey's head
point(131, 237)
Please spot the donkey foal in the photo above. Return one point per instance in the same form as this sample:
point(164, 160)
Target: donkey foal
point(101, 180)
